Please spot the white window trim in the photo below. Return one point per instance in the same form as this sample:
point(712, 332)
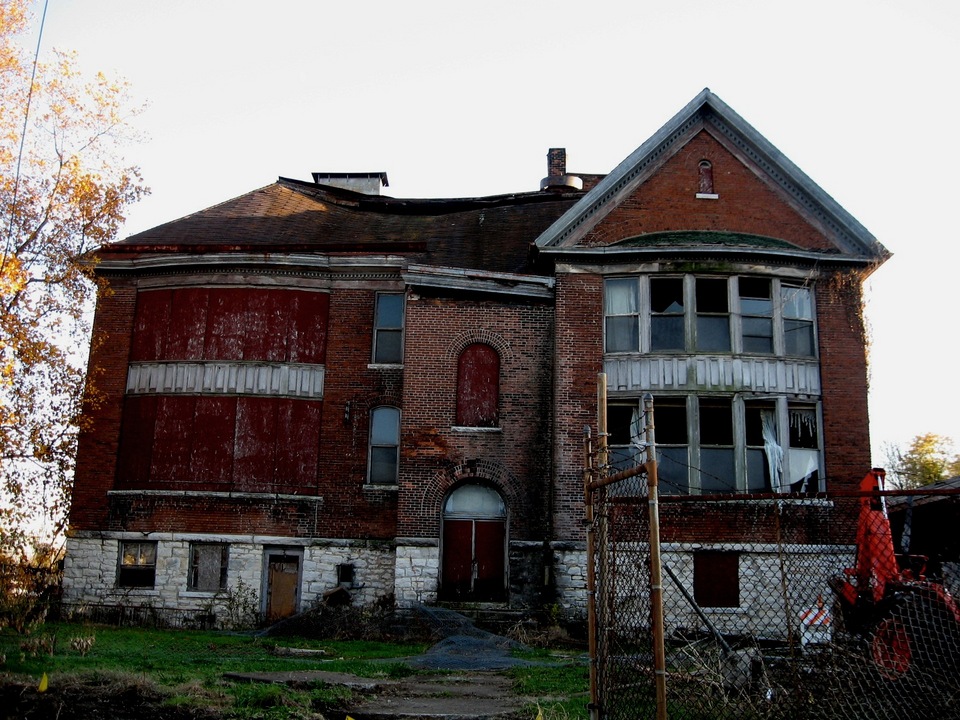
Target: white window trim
point(690, 315)
point(376, 330)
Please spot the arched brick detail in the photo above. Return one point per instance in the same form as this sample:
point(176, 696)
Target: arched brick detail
point(430, 502)
point(480, 335)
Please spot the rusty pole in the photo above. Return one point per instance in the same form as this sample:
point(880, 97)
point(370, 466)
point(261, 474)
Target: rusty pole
point(594, 706)
point(656, 575)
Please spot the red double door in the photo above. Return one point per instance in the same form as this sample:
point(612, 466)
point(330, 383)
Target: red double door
point(474, 567)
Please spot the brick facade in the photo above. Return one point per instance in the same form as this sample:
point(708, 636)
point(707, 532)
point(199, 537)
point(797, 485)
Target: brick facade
point(283, 474)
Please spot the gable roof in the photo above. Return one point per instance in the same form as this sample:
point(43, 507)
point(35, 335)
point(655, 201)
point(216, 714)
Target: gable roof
point(707, 110)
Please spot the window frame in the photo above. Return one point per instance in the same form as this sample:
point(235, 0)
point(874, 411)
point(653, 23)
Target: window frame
point(128, 574)
point(194, 570)
point(645, 317)
point(372, 446)
point(382, 328)
point(622, 454)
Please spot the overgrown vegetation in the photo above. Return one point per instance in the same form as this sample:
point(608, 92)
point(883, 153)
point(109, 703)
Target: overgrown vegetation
point(181, 674)
point(185, 669)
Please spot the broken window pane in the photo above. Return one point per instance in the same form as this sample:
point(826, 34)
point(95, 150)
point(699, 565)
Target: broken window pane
point(666, 314)
point(713, 322)
point(208, 567)
point(763, 452)
point(804, 451)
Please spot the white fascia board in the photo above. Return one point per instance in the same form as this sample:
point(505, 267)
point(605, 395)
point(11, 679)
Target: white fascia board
point(479, 281)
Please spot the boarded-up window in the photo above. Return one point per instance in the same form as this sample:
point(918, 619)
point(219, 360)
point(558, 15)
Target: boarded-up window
point(716, 579)
point(138, 565)
point(208, 566)
point(478, 386)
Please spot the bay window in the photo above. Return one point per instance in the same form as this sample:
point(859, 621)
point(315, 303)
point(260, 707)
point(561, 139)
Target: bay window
point(751, 315)
point(717, 444)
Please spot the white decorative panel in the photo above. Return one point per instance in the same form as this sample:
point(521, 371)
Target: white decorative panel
point(226, 378)
point(713, 373)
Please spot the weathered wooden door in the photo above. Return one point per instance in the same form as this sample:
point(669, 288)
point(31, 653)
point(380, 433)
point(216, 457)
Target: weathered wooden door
point(283, 582)
point(474, 548)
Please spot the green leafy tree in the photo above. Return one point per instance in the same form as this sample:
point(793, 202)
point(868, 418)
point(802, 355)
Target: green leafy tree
point(63, 191)
point(928, 459)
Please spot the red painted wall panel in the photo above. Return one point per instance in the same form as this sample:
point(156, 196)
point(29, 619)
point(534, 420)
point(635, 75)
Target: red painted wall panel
point(226, 324)
point(231, 324)
point(136, 440)
point(211, 461)
point(308, 331)
point(255, 448)
point(187, 327)
point(173, 439)
point(298, 444)
point(151, 321)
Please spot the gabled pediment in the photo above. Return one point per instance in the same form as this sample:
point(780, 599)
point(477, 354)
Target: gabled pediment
point(634, 198)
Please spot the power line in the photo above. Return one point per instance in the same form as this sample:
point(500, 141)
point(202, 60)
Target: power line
point(23, 137)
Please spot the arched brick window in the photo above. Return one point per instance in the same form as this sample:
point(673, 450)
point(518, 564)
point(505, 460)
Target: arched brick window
point(478, 386)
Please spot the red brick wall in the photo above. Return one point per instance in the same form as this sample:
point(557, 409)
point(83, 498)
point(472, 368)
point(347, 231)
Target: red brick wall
point(515, 459)
point(667, 201)
point(843, 367)
point(333, 444)
point(353, 509)
point(107, 379)
point(579, 342)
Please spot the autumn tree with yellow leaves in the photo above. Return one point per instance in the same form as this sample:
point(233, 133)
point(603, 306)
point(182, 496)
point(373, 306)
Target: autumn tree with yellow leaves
point(928, 459)
point(64, 188)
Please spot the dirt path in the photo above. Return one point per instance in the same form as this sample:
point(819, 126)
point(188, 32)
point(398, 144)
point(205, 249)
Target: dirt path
point(481, 695)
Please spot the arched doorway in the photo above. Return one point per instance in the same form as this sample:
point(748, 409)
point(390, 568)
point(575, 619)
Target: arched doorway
point(474, 546)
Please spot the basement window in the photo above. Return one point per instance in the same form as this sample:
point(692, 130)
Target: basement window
point(208, 566)
point(138, 565)
point(716, 579)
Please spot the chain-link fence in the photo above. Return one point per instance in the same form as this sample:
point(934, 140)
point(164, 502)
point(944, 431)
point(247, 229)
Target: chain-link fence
point(777, 606)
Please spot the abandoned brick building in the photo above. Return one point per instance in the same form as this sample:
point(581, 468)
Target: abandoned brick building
point(314, 385)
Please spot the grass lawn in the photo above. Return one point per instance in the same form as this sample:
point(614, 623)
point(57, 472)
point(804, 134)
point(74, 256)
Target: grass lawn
point(185, 669)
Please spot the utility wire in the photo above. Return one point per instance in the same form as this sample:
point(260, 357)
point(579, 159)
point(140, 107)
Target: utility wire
point(23, 137)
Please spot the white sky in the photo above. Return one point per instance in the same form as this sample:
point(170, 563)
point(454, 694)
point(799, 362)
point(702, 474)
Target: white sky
point(459, 99)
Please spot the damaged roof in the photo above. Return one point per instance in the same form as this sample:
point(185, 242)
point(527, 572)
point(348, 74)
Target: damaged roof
point(491, 233)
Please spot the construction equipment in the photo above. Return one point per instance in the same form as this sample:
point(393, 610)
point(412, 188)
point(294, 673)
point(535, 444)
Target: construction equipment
point(910, 623)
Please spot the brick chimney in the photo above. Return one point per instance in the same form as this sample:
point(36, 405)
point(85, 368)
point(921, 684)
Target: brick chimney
point(556, 162)
point(557, 179)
